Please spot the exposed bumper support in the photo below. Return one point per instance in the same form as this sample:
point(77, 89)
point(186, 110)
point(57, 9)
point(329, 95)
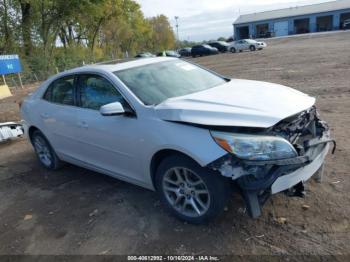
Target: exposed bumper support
point(255, 193)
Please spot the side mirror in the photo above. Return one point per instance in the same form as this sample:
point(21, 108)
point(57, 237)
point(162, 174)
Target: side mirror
point(112, 109)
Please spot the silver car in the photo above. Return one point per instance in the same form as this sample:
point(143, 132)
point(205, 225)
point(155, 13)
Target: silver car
point(245, 45)
point(177, 128)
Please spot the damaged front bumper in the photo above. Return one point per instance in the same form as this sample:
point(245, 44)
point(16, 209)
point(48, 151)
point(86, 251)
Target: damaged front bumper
point(258, 180)
point(10, 130)
point(301, 174)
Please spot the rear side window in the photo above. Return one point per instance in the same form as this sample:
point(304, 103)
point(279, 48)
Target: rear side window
point(61, 91)
point(95, 91)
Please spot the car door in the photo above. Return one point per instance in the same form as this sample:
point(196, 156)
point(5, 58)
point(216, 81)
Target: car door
point(243, 45)
point(240, 45)
point(206, 50)
point(194, 51)
point(109, 143)
point(236, 45)
point(58, 116)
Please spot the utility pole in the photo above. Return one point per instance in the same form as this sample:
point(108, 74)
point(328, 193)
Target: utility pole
point(177, 29)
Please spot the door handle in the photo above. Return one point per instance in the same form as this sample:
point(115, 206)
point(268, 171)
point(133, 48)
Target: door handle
point(83, 124)
point(44, 115)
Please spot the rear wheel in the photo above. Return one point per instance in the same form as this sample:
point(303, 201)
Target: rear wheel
point(233, 50)
point(252, 48)
point(45, 153)
point(191, 192)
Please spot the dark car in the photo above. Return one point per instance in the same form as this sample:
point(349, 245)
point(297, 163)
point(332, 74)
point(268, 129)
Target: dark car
point(185, 51)
point(169, 53)
point(201, 50)
point(220, 45)
point(144, 55)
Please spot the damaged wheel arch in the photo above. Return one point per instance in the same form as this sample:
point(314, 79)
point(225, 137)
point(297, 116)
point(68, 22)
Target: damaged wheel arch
point(160, 155)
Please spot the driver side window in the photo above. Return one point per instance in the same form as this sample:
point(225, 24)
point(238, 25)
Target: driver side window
point(95, 91)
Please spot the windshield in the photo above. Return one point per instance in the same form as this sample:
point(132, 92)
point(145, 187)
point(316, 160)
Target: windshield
point(154, 83)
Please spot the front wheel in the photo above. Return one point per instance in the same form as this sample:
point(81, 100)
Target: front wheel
point(233, 50)
point(252, 48)
point(191, 192)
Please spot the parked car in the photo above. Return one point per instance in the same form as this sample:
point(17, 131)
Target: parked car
point(169, 53)
point(246, 44)
point(201, 50)
point(144, 55)
point(177, 128)
point(220, 45)
point(185, 51)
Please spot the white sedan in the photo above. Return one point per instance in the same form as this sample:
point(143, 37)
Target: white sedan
point(246, 44)
point(177, 128)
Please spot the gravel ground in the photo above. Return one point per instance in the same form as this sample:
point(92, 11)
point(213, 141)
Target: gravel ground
point(77, 211)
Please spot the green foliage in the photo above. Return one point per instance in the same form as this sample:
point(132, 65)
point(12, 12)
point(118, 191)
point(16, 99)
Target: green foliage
point(186, 43)
point(55, 35)
point(222, 39)
point(162, 36)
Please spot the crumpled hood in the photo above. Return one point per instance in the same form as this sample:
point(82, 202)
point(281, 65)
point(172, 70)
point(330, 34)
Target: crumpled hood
point(239, 102)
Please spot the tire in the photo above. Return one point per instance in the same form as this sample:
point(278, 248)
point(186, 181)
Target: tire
point(191, 186)
point(44, 151)
point(233, 50)
point(252, 48)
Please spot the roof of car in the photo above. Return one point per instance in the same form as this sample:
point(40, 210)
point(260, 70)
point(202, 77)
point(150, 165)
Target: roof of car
point(117, 65)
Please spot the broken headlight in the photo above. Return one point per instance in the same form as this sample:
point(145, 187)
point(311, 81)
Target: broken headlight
point(255, 147)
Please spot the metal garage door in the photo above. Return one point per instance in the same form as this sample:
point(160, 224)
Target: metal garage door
point(281, 28)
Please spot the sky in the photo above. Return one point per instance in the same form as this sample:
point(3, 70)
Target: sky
point(209, 19)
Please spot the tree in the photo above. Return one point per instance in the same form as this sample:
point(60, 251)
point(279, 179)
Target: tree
point(162, 34)
point(222, 39)
point(7, 23)
point(50, 34)
point(26, 24)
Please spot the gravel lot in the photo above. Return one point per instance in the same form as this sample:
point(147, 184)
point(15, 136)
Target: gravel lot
point(76, 211)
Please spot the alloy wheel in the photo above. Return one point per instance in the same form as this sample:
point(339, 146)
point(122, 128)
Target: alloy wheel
point(43, 151)
point(186, 192)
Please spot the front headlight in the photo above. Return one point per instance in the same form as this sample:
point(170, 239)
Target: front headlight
point(255, 147)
